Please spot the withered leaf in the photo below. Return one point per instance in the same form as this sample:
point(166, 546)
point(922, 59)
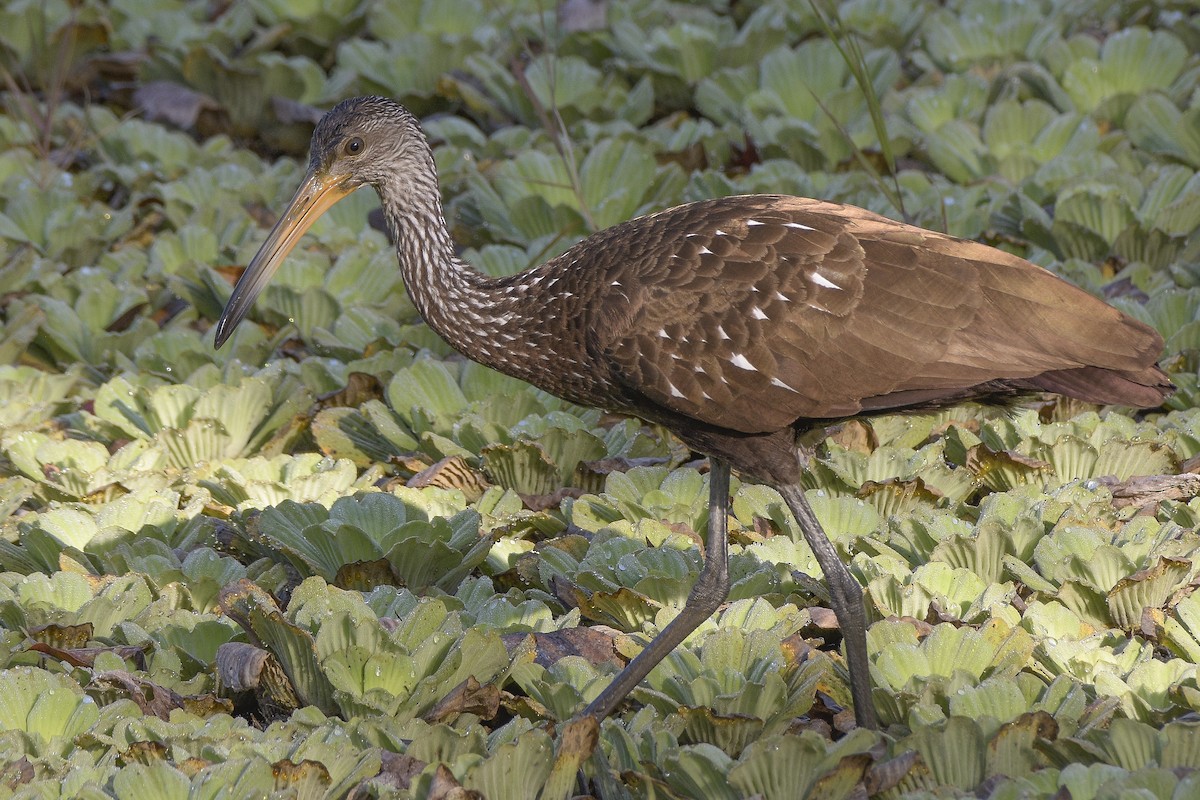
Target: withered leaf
point(469, 697)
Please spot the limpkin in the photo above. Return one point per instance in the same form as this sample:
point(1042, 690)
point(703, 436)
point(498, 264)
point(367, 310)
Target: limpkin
point(738, 323)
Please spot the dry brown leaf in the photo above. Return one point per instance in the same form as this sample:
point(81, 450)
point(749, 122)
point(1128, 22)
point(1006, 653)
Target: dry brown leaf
point(469, 697)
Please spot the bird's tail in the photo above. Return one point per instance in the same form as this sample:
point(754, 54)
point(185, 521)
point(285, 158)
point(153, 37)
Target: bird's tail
point(1145, 388)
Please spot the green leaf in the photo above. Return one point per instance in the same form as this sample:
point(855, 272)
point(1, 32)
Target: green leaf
point(615, 177)
point(138, 781)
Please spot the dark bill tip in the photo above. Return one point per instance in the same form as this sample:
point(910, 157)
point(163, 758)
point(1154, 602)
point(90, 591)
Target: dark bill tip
point(314, 197)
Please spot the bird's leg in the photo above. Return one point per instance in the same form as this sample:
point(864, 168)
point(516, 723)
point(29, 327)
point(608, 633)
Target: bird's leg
point(710, 590)
point(847, 597)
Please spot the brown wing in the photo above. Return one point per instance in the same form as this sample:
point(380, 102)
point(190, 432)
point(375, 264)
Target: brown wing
point(753, 312)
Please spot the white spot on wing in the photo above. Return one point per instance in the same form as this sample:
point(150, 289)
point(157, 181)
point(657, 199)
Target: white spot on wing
point(754, 222)
point(705, 251)
point(663, 335)
point(741, 362)
point(757, 313)
point(782, 296)
point(721, 334)
point(821, 280)
point(777, 382)
point(674, 392)
point(798, 226)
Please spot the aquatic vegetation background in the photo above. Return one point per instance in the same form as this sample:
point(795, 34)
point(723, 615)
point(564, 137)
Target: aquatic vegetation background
point(334, 558)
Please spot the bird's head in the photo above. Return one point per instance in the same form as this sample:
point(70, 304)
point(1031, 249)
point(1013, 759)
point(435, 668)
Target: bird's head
point(362, 141)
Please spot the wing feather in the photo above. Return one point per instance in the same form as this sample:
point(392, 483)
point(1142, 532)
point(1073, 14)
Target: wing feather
point(755, 312)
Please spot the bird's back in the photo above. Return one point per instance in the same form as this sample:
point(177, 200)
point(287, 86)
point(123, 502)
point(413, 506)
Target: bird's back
point(751, 313)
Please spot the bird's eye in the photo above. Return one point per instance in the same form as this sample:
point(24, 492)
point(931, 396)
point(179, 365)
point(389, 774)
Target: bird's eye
point(354, 146)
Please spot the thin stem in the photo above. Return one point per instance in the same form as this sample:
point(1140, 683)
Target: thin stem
point(848, 47)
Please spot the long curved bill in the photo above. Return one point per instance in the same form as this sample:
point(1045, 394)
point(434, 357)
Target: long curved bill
point(314, 197)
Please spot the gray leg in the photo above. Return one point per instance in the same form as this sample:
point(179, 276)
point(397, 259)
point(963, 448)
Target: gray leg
point(847, 597)
point(710, 590)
